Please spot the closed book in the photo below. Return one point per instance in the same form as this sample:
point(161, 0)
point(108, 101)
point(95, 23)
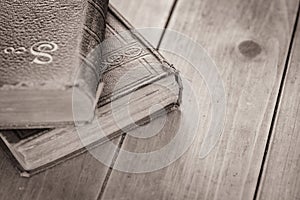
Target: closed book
point(43, 61)
point(137, 78)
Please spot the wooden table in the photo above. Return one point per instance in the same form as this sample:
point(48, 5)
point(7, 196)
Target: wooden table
point(256, 46)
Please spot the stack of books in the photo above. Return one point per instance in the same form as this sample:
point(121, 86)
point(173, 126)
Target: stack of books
point(54, 76)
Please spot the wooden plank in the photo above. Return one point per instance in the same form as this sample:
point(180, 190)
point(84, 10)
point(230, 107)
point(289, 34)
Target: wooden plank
point(248, 41)
point(281, 177)
point(145, 13)
point(78, 178)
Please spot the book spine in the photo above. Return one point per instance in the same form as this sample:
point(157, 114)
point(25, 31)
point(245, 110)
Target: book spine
point(91, 67)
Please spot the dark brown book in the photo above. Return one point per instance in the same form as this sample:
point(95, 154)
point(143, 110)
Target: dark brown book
point(43, 52)
point(152, 81)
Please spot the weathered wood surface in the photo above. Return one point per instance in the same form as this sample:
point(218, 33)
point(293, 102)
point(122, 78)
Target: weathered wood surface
point(145, 13)
point(281, 177)
point(78, 178)
point(249, 42)
point(251, 72)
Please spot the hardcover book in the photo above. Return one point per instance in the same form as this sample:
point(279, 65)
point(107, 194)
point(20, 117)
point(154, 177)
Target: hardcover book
point(43, 52)
point(149, 80)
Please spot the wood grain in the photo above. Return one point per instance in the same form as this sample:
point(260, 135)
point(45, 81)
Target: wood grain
point(249, 41)
point(77, 178)
point(145, 13)
point(281, 177)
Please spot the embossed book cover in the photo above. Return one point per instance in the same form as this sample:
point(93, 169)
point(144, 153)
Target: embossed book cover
point(136, 79)
point(43, 52)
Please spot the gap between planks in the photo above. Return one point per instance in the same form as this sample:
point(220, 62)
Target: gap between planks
point(278, 105)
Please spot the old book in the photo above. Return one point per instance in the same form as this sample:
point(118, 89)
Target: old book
point(150, 81)
point(43, 60)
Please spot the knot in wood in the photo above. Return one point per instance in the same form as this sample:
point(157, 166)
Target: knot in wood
point(249, 48)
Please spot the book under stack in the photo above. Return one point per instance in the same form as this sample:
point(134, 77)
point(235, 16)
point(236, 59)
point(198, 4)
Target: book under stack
point(59, 72)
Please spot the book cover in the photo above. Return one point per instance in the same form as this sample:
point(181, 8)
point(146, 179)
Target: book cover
point(43, 52)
